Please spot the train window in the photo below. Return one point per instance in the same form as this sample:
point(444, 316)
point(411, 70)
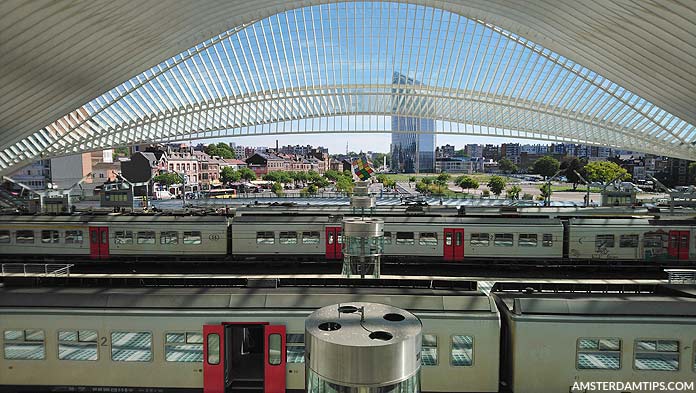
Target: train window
point(480, 239)
point(462, 353)
point(77, 345)
point(183, 347)
point(448, 239)
point(146, 237)
point(4, 236)
point(310, 237)
point(628, 241)
point(427, 239)
point(123, 237)
point(192, 237)
point(598, 354)
point(429, 350)
point(73, 237)
point(24, 237)
point(547, 240)
point(387, 238)
point(213, 348)
point(169, 237)
point(503, 240)
point(604, 241)
point(527, 240)
point(49, 236)
point(295, 347)
point(274, 348)
point(265, 237)
point(287, 238)
point(24, 344)
point(131, 346)
point(659, 355)
point(405, 238)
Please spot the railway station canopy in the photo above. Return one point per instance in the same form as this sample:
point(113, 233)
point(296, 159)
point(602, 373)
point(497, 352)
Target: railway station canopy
point(84, 75)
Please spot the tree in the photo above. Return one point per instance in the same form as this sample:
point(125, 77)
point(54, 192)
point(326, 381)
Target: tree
point(461, 153)
point(467, 182)
point(444, 177)
point(514, 192)
point(221, 150)
point(507, 166)
point(422, 187)
point(344, 184)
point(605, 171)
point(321, 182)
point(411, 179)
point(546, 190)
point(313, 176)
point(546, 166)
point(312, 189)
point(167, 179)
point(332, 175)
point(277, 189)
point(271, 176)
point(571, 166)
point(496, 184)
point(247, 174)
point(427, 181)
point(229, 175)
point(378, 159)
point(121, 151)
point(692, 173)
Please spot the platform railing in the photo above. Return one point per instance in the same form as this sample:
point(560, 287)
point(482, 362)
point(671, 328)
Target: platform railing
point(681, 276)
point(33, 269)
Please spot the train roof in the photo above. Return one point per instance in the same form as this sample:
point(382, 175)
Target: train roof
point(242, 298)
point(305, 294)
point(87, 218)
point(401, 219)
point(535, 299)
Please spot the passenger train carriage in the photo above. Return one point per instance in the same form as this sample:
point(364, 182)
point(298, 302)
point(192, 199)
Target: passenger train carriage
point(523, 338)
point(222, 340)
point(316, 235)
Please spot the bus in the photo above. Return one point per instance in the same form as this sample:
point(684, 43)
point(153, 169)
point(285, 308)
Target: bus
point(221, 193)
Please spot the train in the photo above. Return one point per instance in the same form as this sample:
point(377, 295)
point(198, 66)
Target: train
point(314, 234)
point(525, 337)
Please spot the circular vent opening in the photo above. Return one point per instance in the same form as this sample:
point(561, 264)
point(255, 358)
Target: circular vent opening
point(394, 317)
point(380, 335)
point(347, 309)
point(329, 326)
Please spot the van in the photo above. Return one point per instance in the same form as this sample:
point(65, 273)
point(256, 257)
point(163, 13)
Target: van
point(163, 194)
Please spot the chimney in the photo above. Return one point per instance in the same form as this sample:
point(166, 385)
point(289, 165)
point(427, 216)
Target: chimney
point(277, 150)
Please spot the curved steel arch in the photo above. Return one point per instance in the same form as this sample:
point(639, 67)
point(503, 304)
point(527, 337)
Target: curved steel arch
point(339, 59)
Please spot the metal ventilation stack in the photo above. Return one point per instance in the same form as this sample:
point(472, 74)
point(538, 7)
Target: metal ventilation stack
point(363, 246)
point(361, 200)
point(363, 238)
point(362, 348)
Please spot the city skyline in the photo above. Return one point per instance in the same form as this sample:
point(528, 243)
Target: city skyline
point(375, 142)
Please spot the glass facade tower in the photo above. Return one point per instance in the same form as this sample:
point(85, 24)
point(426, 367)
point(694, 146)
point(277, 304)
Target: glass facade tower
point(414, 151)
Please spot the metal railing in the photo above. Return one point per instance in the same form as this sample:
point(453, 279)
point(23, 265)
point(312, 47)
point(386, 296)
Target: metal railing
point(681, 276)
point(36, 269)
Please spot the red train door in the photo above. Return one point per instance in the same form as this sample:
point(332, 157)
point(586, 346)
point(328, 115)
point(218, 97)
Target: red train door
point(454, 244)
point(334, 240)
point(274, 359)
point(256, 348)
point(214, 359)
point(99, 242)
point(678, 246)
